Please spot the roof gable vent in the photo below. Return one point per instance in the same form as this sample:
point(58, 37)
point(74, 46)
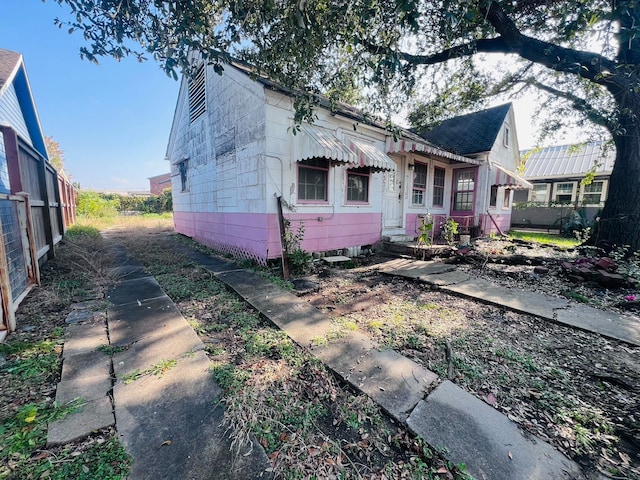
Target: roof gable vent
point(197, 96)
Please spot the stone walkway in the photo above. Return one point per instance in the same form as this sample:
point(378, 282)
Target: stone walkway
point(171, 423)
point(448, 278)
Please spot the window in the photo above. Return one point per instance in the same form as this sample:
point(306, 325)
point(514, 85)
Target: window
point(505, 139)
point(313, 180)
point(539, 192)
point(183, 168)
point(358, 185)
point(493, 199)
point(197, 95)
point(564, 192)
point(419, 183)
point(592, 193)
point(464, 190)
point(506, 202)
point(438, 187)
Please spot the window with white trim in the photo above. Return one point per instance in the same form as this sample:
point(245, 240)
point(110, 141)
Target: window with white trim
point(183, 168)
point(592, 193)
point(419, 183)
point(438, 186)
point(505, 138)
point(564, 192)
point(197, 94)
point(464, 190)
point(539, 192)
point(506, 201)
point(358, 185)
point(313, 180)
point(493, 197)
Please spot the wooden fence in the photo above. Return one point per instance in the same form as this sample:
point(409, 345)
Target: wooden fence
point(34, 216)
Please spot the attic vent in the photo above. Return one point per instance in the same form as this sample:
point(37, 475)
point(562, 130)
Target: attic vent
point(197, 97)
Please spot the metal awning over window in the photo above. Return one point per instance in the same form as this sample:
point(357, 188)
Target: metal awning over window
point(400, 145)
point(503, 177)
point(317, 142)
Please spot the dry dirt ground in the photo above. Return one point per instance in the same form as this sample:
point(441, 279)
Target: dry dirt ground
point(574, 389)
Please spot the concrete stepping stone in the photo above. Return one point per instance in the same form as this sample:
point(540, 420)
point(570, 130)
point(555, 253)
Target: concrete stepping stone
point(490, 445)
point(84, 338)
point(92, 416)
point(609, 324)
point(173, 427)
point(134, 291)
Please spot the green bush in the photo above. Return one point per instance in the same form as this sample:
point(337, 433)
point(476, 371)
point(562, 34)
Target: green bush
point(94, 204)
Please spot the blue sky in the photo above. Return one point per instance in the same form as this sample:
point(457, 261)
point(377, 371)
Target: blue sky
point(112, 120)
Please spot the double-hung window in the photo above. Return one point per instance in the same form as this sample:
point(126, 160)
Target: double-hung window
point(358, 185)
point(464, 184)
point(438, 187)
point(564, 192)
point(419, 183)
point(592, 193)
point(313, 180)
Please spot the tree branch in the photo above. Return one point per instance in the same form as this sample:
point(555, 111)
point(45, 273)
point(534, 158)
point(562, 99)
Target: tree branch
point(578, 103)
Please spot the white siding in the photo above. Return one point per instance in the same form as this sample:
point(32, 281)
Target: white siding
point(11, 113)
point(223, 147)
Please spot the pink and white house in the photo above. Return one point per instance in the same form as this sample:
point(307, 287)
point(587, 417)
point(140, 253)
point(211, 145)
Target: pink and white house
point(233, 151)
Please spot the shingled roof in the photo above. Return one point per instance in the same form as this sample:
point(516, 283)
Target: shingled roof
point(568, 160)
point(471, 133)
point(8, 62)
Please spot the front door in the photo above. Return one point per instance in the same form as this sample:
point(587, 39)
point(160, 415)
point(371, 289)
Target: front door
point(393, 197)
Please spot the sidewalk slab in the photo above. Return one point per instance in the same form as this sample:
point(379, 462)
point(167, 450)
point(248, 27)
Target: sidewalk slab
point(84, 338)
point(150, 318)
point(134, 291)
point(93, 415)
point(522, 301)
point(172, 426)
point(127, 272)
point(85, 365)
point(446, 278)
point(489, 444)
point(248, 285)
point(169, 344)
point(393, 381)
point(608, 324)
point(304, 323)
point(84, 388)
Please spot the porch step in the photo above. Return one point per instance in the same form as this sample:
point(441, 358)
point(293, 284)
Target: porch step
point(398, 238)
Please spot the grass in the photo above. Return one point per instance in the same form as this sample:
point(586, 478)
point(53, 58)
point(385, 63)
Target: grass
point(32, 369)
point(276, 392)
point(545, 238)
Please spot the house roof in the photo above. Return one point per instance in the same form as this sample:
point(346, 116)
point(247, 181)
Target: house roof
point(568, 160)
point(13, 71)
point(471, 133)
point(413, 143)
point(8, 62)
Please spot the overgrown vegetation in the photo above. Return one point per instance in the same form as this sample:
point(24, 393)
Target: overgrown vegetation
point(275, 393)
point(30, 369)
point(105, 205)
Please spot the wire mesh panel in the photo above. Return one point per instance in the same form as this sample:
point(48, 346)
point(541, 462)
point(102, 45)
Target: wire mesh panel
point(18, 279)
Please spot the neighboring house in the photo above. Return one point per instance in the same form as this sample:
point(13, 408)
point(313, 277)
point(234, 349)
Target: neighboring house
point(236, 155)
point(556, 174)
point(159, 183)
point(31, 209)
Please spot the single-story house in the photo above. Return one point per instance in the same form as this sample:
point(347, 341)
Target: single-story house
point(556, 175)
point(33, 211)
point(237, 157)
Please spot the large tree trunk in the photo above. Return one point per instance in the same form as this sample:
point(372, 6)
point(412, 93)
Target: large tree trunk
point(619, 223)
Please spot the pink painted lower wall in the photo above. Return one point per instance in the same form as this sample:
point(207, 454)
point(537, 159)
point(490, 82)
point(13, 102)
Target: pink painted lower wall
point(257, 236)
point(338, 231)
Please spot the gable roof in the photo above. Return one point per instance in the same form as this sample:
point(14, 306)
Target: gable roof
point(9, 62)
point(568, 160)
point(471, 133)
point(13, 72)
